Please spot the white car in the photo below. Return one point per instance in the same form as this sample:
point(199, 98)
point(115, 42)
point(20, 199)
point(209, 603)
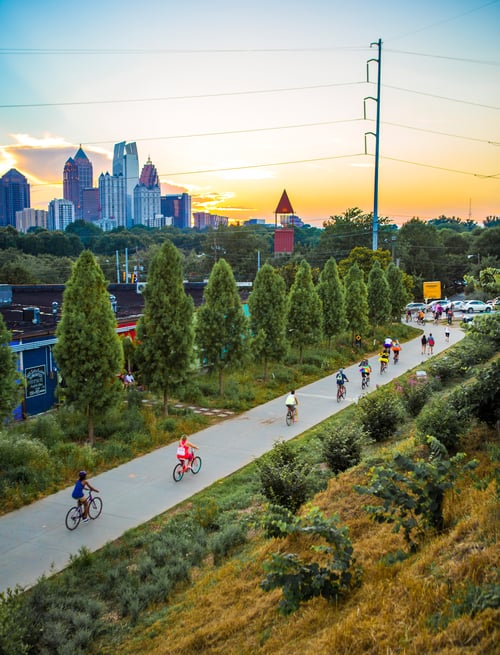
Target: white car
point(472, 306)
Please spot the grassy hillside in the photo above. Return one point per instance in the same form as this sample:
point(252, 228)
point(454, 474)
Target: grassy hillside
point(430, 603)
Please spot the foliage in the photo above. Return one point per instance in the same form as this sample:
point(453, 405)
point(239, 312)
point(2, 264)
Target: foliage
point(481, 398)
point(341, 446)
point(268, 308)
point(283, 477)
point(330, 578)
point(365, 258)
point(14, 625)
point(470, 601)
point(332, 295)
point(414, 393)
point(88, 351)
point(444, 420)
point(10, 389)
point(412, 491)
point(304, 321)
point(380, 413)
point(221, 325)
point(420, 249)
point(356, 298)
point(398, 294)
point(165, 330)
point(379, 296)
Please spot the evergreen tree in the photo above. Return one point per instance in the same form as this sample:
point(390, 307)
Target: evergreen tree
point(10, 389)
point(356, 301)
point(165, 331)
point(398, 294)
point(304, 310)
point(221, 324)
point(332, 294)
point(268, 308)
point(379, 296)
point(88, 351)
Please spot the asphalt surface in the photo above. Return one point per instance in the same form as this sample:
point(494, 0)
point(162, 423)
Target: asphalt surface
point(34, 540)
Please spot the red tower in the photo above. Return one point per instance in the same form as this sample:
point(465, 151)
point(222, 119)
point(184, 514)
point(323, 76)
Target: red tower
point(283, 235)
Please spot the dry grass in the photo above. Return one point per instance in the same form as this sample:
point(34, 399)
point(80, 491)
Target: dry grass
point(225, 612)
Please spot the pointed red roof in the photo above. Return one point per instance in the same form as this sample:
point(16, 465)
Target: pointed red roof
point(284, 205)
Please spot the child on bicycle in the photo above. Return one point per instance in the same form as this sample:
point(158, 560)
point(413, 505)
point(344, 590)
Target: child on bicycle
point(291, 402)
point(185, 449)
point(396, 349)
point(383, 358)
point(365, 369)
point(79, 493)
point(340, 378)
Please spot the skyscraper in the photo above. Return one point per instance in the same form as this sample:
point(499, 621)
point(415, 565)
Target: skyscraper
point(147, 203)
point(61, 214)
point(77, 176)
point(178, 207)
point(112, 198)
point(14, 196)
point(126, 164)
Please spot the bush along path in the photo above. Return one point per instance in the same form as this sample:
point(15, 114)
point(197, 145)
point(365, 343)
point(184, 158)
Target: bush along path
point(34, 540)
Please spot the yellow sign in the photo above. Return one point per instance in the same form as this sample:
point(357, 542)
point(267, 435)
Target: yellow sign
point(432, 290)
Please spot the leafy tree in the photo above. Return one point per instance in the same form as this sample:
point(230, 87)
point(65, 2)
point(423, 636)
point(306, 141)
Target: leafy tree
point(304, 321)
point(88, 350)
point(455, 224)
point(86, 231)
point(10, 389)
point(165, 331)
point(380, 414)
point(379, 296)
point(420, 248)
point(412, 492)
point(221, 325)
point(398, 294)
point(364, 258)
point(342, 447)
point(283, 476)
point(268, 308)
point(356, 299)
point(332, 294)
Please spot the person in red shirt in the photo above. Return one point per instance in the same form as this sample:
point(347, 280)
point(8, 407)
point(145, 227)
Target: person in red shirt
point(185, 449)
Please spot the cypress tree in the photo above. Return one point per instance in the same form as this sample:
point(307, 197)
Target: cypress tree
point(268, 304)
point(332, 294)
point(356, 302)
point(165, 331)
point(379, 296)
point(221, 324)
point(398, 294)
point(88, 351)
point(305, 318)
point(10, 389)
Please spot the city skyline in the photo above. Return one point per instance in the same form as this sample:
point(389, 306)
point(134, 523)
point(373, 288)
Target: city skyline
point(235, 103)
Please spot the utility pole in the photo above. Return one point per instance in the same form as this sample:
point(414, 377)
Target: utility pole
point(376, 134)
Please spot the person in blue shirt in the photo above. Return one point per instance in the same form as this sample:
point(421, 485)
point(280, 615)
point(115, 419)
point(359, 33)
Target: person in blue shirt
point(341, 377)
point(79, 493)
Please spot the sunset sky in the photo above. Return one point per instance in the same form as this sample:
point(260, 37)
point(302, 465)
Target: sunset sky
point(236, 101)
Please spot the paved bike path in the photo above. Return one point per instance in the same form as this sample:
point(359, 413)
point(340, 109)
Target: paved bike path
point(34, 540)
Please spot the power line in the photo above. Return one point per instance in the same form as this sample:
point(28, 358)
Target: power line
point(455, 136)
point(443, 168)
point(432, 95)
point(168, 51)
point(465, 60)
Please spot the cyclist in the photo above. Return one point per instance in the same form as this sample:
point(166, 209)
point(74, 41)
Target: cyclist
point(291, 402)
point(79, 493)
point(185, 449)
point(340, 378)
point(388, 344)
point(396, 349)
point(365, 369)
point(383, 358)
point(421, 317)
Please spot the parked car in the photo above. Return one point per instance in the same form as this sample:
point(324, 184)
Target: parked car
point(434, 303)
point(415, 307)
point(457, 305)
point(472, 306)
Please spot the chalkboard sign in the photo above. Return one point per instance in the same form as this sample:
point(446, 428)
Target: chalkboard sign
point(36, 381)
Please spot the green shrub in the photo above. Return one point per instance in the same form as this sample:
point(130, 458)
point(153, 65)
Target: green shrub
point(341, 446)
point(224, 541)
point(47, 430)
point(167, 424)
point(414, 394)
point(71, 457)
point(283, 477)
point(441, 419)
point(380, 413)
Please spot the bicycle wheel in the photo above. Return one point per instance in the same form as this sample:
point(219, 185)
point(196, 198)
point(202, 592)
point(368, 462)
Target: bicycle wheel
point(73, 518)
point(289, 418)
point(178, 472)
point(196, 465)
point(344, 392)
point(339, 394)
point(95, 507)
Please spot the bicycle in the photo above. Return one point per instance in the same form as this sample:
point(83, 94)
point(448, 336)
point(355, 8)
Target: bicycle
point(185, 465)
point(396, 356)
point(290, 415)
point(341, 392)
point(75, 514)
point(365, 381)
point(383, 366)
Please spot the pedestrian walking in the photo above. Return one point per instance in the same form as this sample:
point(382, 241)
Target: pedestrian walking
point(424, 344)
point(430, 344)
point(447, 334)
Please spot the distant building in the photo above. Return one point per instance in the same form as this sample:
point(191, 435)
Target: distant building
point(112, 199)
point(14, 196)
point(202, 220)
point(27, 218)
point(61, 214)
point(257, 221)
point(178, 207)
point(126, 164)
point(77, 176)
point(147, 197)
point(91, 208)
